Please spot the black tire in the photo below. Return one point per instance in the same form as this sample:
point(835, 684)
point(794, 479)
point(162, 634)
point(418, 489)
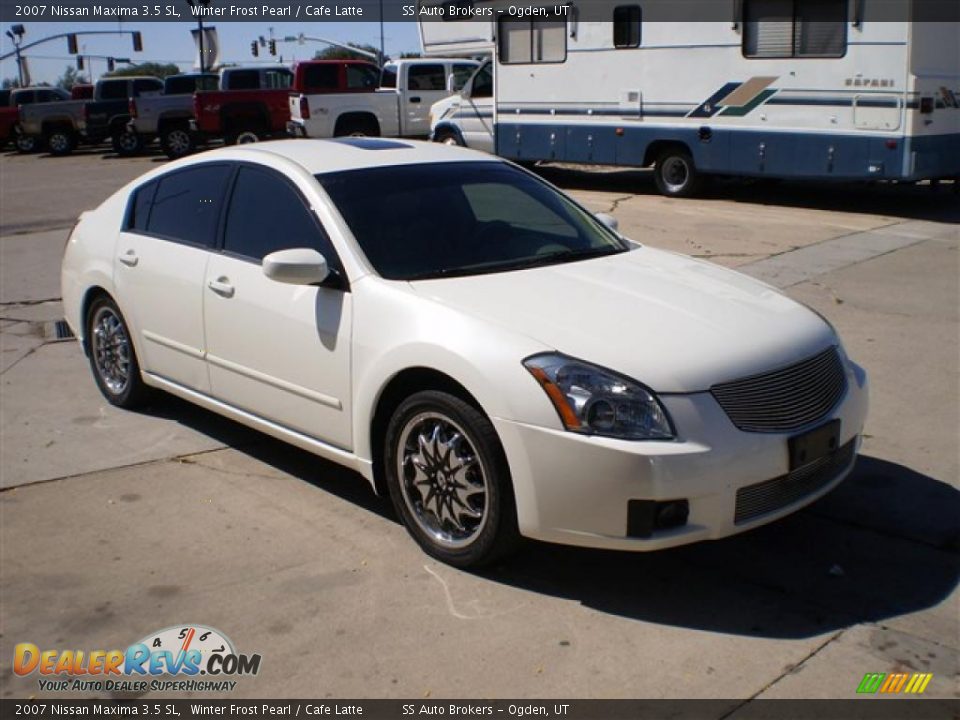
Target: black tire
point(483, 465)
point(60, 141)
point(243, 137)
point(26, 144)
point(448, 137)
point(113, 359)
point(676, 175)
point(126, 143)
point(177, 141)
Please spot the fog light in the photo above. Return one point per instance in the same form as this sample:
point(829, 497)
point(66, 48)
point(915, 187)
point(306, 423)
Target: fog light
point(644, 517)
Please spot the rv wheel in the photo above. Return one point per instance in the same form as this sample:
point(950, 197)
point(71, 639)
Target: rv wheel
point(676, 175)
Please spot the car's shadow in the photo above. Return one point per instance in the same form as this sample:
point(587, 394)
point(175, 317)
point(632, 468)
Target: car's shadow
point(913, 202)
point(885, 543)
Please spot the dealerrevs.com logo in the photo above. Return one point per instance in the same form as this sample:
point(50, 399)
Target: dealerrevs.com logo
point(179, 658)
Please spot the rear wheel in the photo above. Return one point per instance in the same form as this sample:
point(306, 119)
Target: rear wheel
point(177, 142)
point(243, 137)
point(27, 143)
point(61, 141)
point(112, 356)
point(676, 175)
point(126, 143)
point(449, 480)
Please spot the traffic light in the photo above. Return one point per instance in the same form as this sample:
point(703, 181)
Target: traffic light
point(110, 64)
point(254, 49)
point(72, 44)
point(273, 47)
point(137, 41)
point(79, 62)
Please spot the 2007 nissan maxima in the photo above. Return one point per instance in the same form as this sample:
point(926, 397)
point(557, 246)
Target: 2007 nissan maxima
point(469, 339)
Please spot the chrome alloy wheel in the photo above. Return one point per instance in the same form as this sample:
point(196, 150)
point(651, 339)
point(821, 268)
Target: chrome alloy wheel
point(442, 479)
point(675, 173)
point(110, 346)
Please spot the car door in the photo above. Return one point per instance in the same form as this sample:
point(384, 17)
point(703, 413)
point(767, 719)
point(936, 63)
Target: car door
point(159, 269)
point(475, 116)
point(279, 351)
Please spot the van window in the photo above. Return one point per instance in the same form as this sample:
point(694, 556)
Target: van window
point(426, 77)
point(462, 73)
point(626, 26)
point(482, 86)
point(187, 205)
point(794, 28)
point(537, 41)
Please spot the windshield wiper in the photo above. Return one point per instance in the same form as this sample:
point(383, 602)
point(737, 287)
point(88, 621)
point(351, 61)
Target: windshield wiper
point(551, 258)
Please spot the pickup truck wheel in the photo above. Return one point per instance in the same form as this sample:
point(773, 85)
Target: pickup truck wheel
point(126, 143)
point(61, 142)
point(26, 143)
point(243, 137)
point(676, 175)
point(449, 480)
point(177, 142)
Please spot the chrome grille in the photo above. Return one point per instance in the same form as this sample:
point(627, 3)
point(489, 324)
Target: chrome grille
point(772, 495)
point(784, 399)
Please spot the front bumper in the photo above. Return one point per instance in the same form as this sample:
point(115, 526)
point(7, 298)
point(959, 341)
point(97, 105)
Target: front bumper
point(575, 490)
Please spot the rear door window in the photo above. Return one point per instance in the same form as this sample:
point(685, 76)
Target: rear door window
point(187, 205)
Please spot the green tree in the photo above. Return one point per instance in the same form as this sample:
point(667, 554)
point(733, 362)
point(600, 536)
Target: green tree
point(332, 52)
point(71, 76)
point(160, 70)
point(410, 54)
point(10, 83)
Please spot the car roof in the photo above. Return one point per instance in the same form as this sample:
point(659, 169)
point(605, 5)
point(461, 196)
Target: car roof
point(353, 153)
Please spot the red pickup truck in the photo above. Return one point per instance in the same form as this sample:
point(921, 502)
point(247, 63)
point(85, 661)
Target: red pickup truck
point(253, 103)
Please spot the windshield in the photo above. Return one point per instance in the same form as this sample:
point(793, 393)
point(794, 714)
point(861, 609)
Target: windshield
point(452, 219)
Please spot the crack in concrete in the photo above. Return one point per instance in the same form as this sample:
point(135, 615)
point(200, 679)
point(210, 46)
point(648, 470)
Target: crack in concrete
point(27, 354)
point(615, 203)
point(29, 303)
point(787, 671)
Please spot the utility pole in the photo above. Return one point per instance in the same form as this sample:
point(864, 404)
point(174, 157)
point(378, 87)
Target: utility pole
point(16, 33)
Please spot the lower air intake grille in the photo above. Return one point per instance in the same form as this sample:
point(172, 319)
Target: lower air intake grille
point(772, 495)
point(784, 399)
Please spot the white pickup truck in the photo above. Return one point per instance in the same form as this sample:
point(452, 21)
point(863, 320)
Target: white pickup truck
point(399, 108)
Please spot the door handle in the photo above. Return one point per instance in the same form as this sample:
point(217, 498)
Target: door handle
point(129, 258)
point(413, 100)
point(222, 287)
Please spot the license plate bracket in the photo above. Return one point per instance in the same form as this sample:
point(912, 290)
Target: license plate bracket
point(813, 444)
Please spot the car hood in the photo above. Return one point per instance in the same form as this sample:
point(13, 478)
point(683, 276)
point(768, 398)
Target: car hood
point(671, 322)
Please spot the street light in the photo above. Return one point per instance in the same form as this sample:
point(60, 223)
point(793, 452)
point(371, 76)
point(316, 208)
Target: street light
point(16, 33)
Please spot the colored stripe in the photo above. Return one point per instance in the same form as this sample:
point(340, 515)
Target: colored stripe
point(741, 111)
point(912, 683)
point(870, 683)
point(902, 680)
point(891, 678)
point(923, 686)
point(747, 92)
point(708, 107)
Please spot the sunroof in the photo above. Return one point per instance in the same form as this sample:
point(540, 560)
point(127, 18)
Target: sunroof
point(370, 143)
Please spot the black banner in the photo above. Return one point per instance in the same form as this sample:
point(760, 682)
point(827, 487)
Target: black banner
point(38, 11)
point(854, 709)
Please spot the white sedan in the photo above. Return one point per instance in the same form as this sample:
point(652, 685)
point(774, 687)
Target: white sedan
point(469, 339)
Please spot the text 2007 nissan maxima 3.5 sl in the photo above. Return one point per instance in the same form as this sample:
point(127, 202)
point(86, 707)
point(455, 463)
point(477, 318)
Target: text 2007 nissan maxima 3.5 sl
point(470, 340)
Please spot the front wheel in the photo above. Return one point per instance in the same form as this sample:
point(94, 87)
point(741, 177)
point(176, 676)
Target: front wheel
point(448, 137)
point(676, 175)
point(449, 480)
point(112, 356)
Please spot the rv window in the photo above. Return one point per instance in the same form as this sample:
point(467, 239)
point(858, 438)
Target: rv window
point(795, 28)
point(626, 26)
point(538, 41)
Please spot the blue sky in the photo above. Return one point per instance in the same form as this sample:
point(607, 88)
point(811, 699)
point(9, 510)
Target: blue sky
point(173, 42)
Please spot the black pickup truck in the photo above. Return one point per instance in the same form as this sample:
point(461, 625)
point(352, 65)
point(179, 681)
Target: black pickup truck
point(107, 115)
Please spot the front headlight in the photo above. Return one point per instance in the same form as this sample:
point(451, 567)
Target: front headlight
point(595, 401)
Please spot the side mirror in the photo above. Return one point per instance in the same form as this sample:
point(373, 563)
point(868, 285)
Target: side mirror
point(609, 220)
point(298, 266)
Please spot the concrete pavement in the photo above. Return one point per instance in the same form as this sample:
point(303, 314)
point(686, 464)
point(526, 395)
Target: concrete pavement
point(115, 524)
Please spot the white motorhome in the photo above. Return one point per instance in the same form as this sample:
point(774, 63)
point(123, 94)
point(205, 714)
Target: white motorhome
point(783, 88)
